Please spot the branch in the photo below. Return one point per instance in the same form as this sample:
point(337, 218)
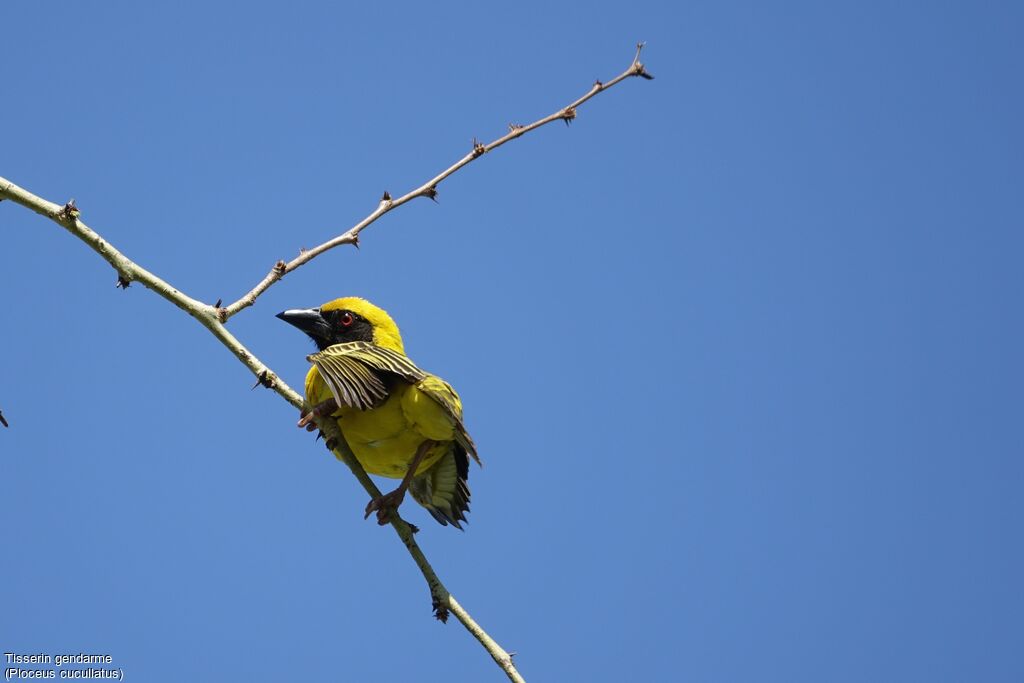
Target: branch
point(443, 601)
point(128, 271)
point(427, 189)
point(67, 217)
point(214, 317)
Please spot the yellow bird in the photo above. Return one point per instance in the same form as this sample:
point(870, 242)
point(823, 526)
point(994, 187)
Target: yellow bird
point(399, 421)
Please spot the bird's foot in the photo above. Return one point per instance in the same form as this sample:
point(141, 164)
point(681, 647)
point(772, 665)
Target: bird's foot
point(389, 502)
point(384, 505)
point(306, 418)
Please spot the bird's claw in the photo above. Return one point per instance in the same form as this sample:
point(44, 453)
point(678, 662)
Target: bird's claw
point(384, 505)
point(307, 417)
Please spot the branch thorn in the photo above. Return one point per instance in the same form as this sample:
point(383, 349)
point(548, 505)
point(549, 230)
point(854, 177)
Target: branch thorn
point(568, 115)
point(440, 611)
point(355, 240)
point(3, 420)
point(386, 197)
point(122, 282)
point(431, 193)
point(69, 211)
point(638, 68)
point(639, 46)
point(265, 379)
point(513, 127)
point(221, 312)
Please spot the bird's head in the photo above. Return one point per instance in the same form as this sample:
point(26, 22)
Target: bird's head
point(346, 320)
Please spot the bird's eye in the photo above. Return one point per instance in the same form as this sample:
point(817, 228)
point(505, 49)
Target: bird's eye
point(346, 319)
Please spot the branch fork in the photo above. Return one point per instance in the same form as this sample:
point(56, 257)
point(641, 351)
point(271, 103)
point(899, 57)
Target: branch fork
point(214, 318)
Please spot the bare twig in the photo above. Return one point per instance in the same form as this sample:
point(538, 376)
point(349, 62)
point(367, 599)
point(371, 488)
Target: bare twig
point(427, 189)
point(443, 601)
point(214, 317)
point(128, 271)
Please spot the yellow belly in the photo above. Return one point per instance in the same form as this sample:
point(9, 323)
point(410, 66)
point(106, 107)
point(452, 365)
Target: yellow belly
point(385, 439)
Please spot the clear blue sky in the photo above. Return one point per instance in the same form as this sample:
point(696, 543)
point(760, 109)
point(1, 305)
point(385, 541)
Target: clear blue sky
point(741, 348)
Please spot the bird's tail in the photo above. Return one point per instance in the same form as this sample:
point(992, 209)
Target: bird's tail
point(443, 490)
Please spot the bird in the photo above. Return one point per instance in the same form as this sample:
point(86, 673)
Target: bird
point(398, 420)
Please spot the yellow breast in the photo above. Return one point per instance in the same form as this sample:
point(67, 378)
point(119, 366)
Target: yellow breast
point(385, 439)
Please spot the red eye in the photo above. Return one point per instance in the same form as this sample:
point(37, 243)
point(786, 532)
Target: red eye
point(346, 319)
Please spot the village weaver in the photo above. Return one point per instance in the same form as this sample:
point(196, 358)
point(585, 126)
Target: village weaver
point(398, 420)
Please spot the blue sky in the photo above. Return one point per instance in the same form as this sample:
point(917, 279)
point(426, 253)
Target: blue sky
point(740, 348)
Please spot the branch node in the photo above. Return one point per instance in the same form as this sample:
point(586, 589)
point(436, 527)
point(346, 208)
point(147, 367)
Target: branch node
point(513, 127)
point(220, 311)
point(431, 193)
point(280, 268)
point(69, 211)
point(478, 148)
point(638, 68)
point(440, 611)
point(640, 71)
point(598, 84)
point(639, 46)
point(265, 378)
point(568, 114)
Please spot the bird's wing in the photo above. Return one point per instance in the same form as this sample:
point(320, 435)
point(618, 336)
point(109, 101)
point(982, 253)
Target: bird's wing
point(353, 370)
point(442, 392)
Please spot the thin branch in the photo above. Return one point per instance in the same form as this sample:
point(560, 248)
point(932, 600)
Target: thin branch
point(443, 601)
point(427, 189)
point(214, 317)
point(129, 271)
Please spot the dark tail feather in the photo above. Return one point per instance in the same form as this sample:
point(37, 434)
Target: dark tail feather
point(443, 490)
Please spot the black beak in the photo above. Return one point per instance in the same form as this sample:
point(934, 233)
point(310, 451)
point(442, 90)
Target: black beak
point(308, 320)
